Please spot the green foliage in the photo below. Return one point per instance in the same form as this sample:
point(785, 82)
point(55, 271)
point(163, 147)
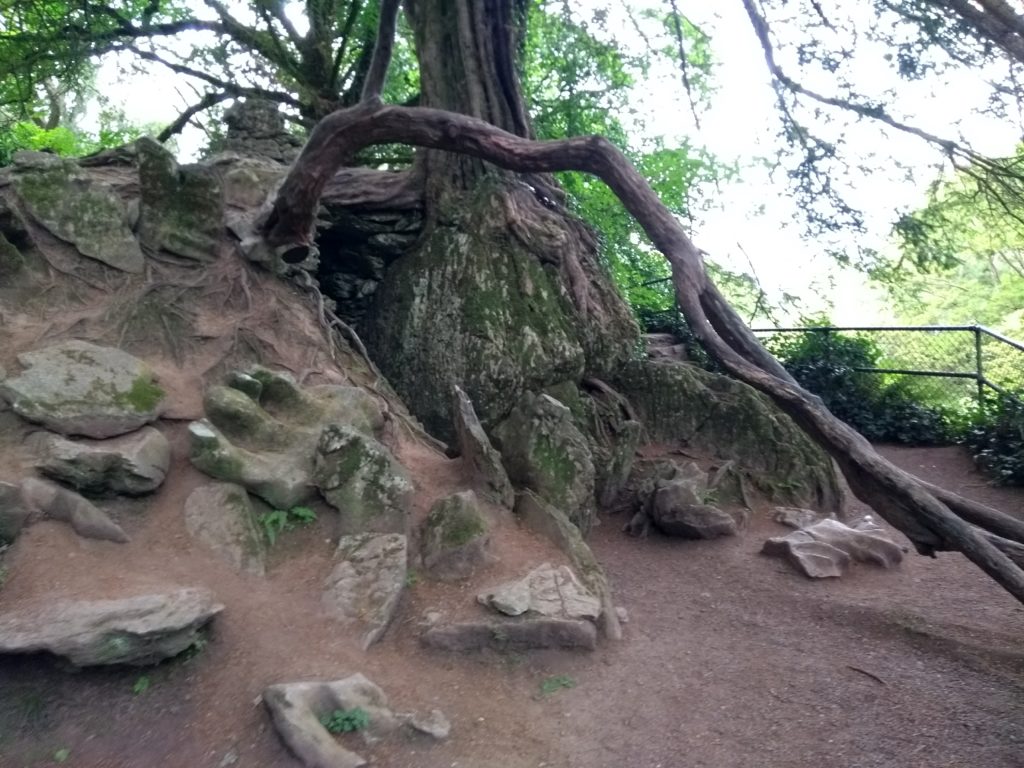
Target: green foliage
point(996, 440)
point(555, 683)
point(114, 131)
point(141, 685)
point(278, 521)
point(883, 410)
point(578, 80)
point(61, 755)
point(346, 720)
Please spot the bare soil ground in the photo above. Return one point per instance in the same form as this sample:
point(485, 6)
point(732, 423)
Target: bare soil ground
point(729, 659)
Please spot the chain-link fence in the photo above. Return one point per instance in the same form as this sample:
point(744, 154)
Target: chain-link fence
point(940, 365)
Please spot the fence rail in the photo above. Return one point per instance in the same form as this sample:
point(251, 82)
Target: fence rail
point(941, 353)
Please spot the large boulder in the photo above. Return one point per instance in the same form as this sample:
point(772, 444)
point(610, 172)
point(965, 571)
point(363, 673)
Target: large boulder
point(479, 456)
point(83, 211)
point(455, 538)
point(680, 403)
point(366, 583)
point(545, 452)
point(132, 464)
point(135, 630)
point(502, 296)
point(361, 479)
point(78, 388)
point(220, 516)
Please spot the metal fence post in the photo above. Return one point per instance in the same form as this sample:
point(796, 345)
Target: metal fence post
point(978, 367)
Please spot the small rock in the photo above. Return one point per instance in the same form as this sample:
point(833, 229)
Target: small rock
point(297, 710)
point(622, 613)
point(812, 558)
point(795, 517)
point(455, 538)
point(135, 630)
point(513, 634)
point(56, 503)
point(77, 388)
point(220, 516)
point(479, 455)
point(546, 591)
point(133, 464)
point(367, 581)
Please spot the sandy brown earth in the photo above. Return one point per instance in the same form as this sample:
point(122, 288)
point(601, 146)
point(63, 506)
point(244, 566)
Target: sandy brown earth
point(729, 659)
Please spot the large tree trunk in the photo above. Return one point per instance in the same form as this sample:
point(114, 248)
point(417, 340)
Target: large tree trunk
point(503, 292)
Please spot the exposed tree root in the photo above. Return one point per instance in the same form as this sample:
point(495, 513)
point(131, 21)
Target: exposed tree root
point(901, 499)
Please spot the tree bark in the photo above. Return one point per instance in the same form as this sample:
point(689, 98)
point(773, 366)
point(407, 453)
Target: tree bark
point(898, 497)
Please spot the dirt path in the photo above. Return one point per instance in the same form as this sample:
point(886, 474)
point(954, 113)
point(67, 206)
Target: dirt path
point(730, 660)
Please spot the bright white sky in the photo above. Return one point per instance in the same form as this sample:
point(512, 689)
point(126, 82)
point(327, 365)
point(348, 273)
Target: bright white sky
point(752, 217)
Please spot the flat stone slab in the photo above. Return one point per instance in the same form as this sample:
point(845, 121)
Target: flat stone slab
point(367, 582)
point(512, 634)
point(133, 464)
point(220, 516)
point(135, 630)
point(78, 388)
point(544, 591)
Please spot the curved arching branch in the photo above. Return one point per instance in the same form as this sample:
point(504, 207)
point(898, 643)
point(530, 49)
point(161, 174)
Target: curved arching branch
point(897, 496)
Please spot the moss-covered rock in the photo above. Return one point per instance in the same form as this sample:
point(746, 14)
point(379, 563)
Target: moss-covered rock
point(545, 452)
point(220, 516)
point(77, 388)
point(455, 538)
point(361, 479)
point(680, 403)
point(479, 456)
point(83, 211)
point(483, 304)
point(180, 209)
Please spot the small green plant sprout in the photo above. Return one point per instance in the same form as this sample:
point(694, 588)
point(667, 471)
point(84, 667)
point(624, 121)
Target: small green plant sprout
point(61, 755)
point(302, 515)
point(141, 685)
point(411, 578)
point(550, 685)
point(346, 720)
point(276, 522)
point(710, 497)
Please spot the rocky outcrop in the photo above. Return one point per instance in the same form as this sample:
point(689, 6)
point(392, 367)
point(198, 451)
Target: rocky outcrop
point(483, 461)
point(78, 388)
point(82, 211)
point(824, 549)
point(53, 502)
point(502, 296)
point(455, 538)
point(302, 711)
point(544, 591)
point(255, 128)
point(133, 630)
point(680, 403)
point(220, 517)
point(361, 479)
point(366, 583)
point(133, 464)
point(545, 452)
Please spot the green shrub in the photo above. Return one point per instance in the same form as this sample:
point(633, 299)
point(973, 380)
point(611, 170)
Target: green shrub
point(883, 410)
point(346, 720)
point(996, 440)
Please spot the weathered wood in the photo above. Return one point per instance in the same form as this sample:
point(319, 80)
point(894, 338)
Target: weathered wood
point(897, 496)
